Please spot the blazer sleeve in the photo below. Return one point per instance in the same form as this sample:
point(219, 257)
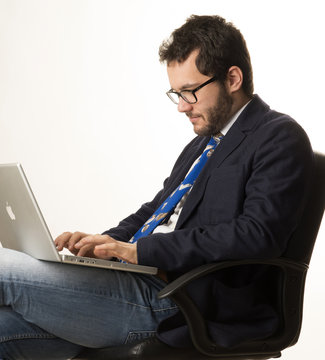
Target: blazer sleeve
point(279, 159)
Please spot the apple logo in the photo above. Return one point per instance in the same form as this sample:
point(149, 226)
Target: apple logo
point(10, 212)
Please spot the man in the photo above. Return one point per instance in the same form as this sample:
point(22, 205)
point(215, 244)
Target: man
point(250, 168)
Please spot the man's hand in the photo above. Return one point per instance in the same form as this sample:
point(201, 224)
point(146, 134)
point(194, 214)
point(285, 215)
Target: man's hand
point(68, 240)
point(99, 246)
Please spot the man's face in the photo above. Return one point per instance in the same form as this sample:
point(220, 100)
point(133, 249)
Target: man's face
point(212, 111)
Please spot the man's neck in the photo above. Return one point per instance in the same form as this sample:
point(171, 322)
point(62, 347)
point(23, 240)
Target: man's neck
point(240, 100)
point(235, 115)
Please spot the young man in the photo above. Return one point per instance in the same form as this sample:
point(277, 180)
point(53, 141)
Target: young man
point(237, 191)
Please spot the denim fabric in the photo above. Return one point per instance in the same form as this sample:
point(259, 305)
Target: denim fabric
point(51, 310)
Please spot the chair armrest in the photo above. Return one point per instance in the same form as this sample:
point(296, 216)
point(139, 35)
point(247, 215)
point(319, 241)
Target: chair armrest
point(206, 269)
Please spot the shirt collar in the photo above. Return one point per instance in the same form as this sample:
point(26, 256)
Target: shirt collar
point(233, 119)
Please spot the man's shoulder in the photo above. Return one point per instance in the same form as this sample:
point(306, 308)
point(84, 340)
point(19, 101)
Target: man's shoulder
point(259, 118)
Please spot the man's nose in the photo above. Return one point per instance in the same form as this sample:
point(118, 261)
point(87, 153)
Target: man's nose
point(184, 106)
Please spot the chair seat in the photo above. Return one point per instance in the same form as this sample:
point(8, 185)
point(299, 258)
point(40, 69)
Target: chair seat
point(152, 348)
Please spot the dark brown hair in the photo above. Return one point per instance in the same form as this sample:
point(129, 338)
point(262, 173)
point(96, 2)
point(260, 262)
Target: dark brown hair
point(220, 46)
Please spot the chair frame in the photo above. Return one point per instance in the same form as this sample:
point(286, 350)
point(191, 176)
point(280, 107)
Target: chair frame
point(293, 268)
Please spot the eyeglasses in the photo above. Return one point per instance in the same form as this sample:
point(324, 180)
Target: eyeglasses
point(187, 95)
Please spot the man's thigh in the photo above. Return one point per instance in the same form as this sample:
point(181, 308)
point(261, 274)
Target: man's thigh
point(86, 306)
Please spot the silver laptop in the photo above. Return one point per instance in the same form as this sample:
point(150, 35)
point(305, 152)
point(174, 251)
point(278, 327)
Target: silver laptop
point(23, 228)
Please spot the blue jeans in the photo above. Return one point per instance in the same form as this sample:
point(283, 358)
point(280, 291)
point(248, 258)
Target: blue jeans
point(52, 310)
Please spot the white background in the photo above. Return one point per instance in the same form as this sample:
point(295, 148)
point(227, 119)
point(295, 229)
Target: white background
point(83, 104)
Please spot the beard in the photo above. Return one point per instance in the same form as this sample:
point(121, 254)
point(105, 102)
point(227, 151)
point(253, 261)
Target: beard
point(218, 116)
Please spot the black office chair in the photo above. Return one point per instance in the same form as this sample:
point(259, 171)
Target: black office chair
point(290, 274)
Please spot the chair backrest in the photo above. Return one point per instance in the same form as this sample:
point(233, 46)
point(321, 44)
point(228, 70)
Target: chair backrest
point(301, 244)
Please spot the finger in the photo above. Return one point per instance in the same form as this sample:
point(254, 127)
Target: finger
point(61, 240)
point(104, 251)
point(74, 239)
point(86, 250)
point(92, 239)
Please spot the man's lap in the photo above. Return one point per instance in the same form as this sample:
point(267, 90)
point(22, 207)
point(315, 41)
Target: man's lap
point(86, 306)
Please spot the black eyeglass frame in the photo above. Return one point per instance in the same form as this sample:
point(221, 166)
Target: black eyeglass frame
point(180, 94)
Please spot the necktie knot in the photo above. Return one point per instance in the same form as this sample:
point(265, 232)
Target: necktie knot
point(213, 143)
point(218, 137)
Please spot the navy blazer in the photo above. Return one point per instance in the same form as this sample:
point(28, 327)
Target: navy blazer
point(245, 204)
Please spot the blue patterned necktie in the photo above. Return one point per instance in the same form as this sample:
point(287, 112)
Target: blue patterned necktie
point(168, 206)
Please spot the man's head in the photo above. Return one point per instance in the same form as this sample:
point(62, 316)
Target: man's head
point(207, 47)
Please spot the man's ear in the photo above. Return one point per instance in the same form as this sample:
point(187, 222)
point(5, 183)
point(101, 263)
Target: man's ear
point(234, 79)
